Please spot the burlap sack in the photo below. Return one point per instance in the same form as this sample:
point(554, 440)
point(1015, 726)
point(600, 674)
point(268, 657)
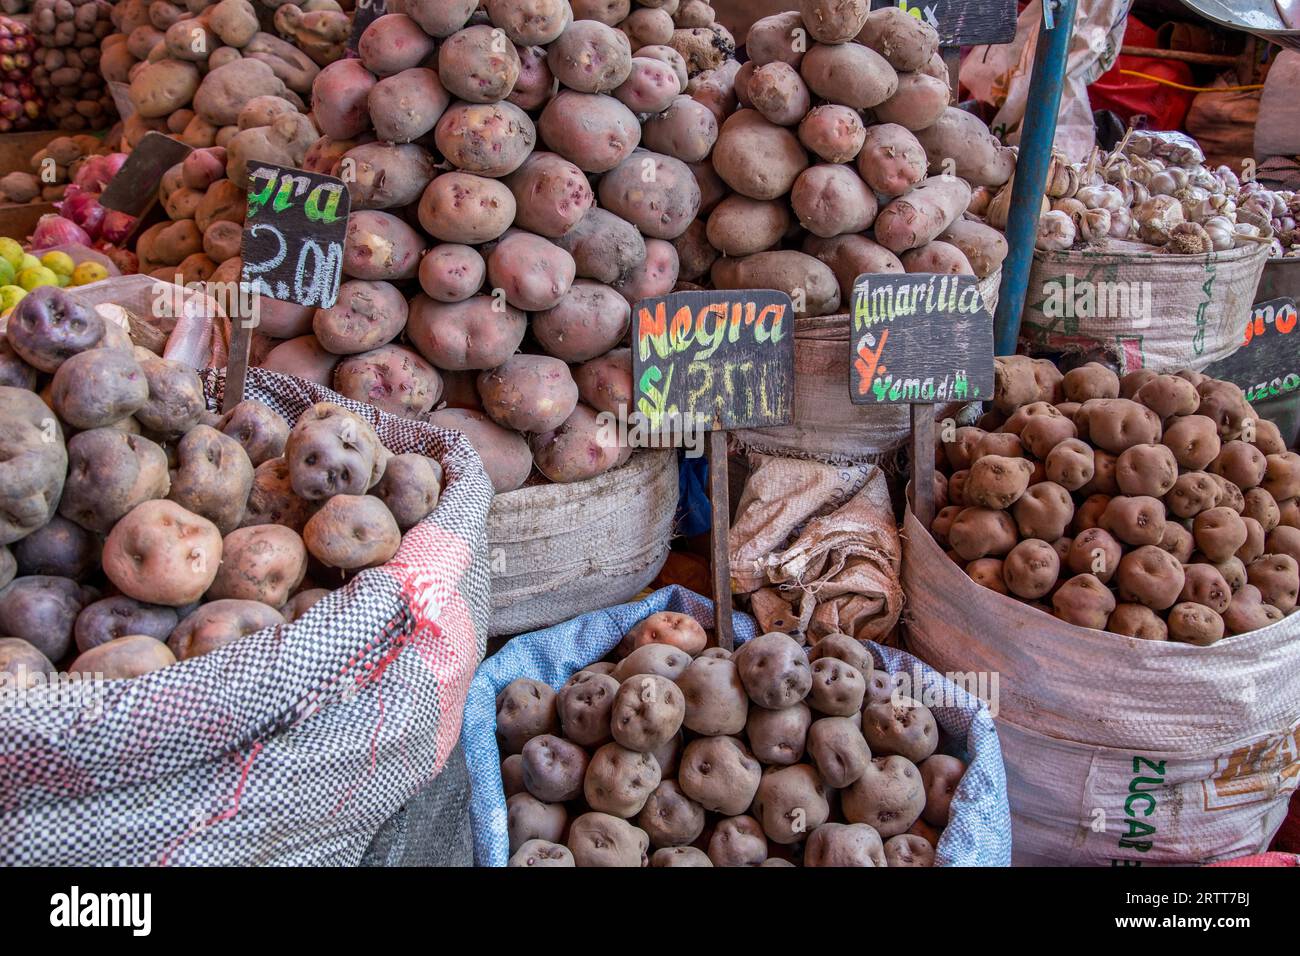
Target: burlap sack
point(1160, 311)
point(840, 573)
point(558, 551)
point(1118, 751)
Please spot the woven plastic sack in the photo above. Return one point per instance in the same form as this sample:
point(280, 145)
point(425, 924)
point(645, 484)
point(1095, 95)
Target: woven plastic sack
point(978, 831)
point(560, 550)
point(292, 746)
point(1152, 310)
point(1118, 751)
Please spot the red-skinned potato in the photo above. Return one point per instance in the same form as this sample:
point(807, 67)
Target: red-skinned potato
point(263, 563)
point(218, 623)
point(670, 627)
point(410, 488)
point(1084, 601)
point(941, 775)
point(529, 393)
point(901, 726)
point(1136, 620)
point(648, 711)
point(23, 664)
point(159, 553)
point(123, 658)
point(352, 532)
point(738, 841)
point(505, 454)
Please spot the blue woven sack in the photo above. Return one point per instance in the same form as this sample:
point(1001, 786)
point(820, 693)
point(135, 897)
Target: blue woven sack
point(979, 828)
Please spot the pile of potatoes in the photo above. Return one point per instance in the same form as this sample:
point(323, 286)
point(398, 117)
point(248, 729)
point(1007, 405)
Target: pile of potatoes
point(138, 529)
point(67, 64)
point(1159, 507)
point(844, 158)
point(679, 754)
point(192, 67)
point(518, 174)
point(68, 153)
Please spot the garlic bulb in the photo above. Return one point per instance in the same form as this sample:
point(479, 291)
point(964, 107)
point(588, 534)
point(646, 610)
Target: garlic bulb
point(1219, 229)
point(1071, 207)
point(1189, 239)
point(1202, 177)
point(1168, 181)
point(1228, 180)
point(1121, 224)
point(1056, 232)
point(1140, 194)
point(1062, 177)
point(1094, 226)
point(1101, 197)
point(1156, 217)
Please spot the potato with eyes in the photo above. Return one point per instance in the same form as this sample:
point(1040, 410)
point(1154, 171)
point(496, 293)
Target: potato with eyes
point(1192, 493)
point(908, 849)
point(410, 487)
point(1194, 440)
point(1249, 612)
point(214, 477)
point(988, 573)
point(1095, 552)
point(778, 737)
point(844, 648)
point(720, 774)
point(838, 689)
point(1070, 464)
point(600, 839)
point(1104, 480)
point(554, 768)
point(98, 388)
point(715, 697)
point(790, 802)
point(838, 750)
point(539, 854)
point(1261, 506)
point(1084, 601)
point(525, 709)
point(774, 670)
point(584, 706)
point(662, 659)
point(528, 818)
point(1277, 576)
point(670, 818)
point(1226, 405)
point(1149, 470)
point(1168, 396)
point(901, 726)
point(263, 563)
point(1240, 463)
point(176, 400)
point(1204, 585)
point(272, 499)
point(331, 451)
point(1219, 532)
point(738, 841)
point(1194, 624)
point(1253, 547)
point(648, 711)
point(1045, 511)
point(48, 327)
point(997, 482)
point(258, 428)
point(1178, 541)
point(1135, 620)
point(1093, 380)
point(1230, 496)
point(1116, 424)
point(1042, 433)
point(670, 627)
point(619, 781)
point(844, 844)
point(889, 796)
point(1031, 569)
point(1136, 520)
point(352, 532)
point(159, 553)
point(1282, 476)
point(981, 533)
point(1151, 577)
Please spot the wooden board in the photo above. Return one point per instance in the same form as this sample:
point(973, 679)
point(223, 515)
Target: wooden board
point(713, 360)
point(962, 22)
point(17, 149)
point(919, 339)
point(135, 187)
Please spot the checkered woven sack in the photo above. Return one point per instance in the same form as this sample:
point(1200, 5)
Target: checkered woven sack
point(292, 746)
point(979, 828)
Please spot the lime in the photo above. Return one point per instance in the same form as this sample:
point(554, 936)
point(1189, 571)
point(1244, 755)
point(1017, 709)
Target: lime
point(59, 263)
point(10, 296)
point(31, 279)
point(11, 252)
point(6, 272)
point(88, 272)
point(28, 261)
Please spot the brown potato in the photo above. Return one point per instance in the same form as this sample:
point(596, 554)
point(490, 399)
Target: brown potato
point(1194, 624)
point(1277, 577)
point(889, 796)
point(1282, 477)
point(530, 393)
point(352, 532)
point(1092, 380)
point(1135, 519)
point(1044, 511)
point(844, 648)
point(301, 603)
point(214, 477)
point(720, 774)
point(1151, 577)
point(1117, 424)
point(1085, 601)
point(553, 768)
point(840, 845)
point(982, 532)
point(1178, 541)
point(1248, 612)
point(1283, 539)
point(159, 553)
point(123, 658)
point(410, 488)
point(1031, 569)
point(584, 705)
point(218, 623)
point(997, 482)
point(272, 499)
point(715, 697)
point(790, 802)
point(1194, 440)
point(1042, 433)
point(1203, 584)
point(98, 387)
point(1135, 620)
point(1070, 464)
point(332, 451)
point(1095, 551)
point(263, 563)
point(778, 736)
point(648, 711)
point(1254, 544)
point(22, 664)
point(541, 854)
point(901, 726)
point(1240, 463)
point(838, 689)
point(680, 856)
point(258, 429)
point(1261, 506)
point(1146, 470)
point(1192, 493)
point(1219, 532)
point(662, 660)
point(941, 775)
point(1226, 405)
point(529, 819)
point(670, 818)
point(774, 670)
point(987, 573)
point(525, 708)
point(619, 780)
point(838, 750)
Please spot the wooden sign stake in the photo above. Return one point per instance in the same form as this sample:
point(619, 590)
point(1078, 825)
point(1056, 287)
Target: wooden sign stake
point(717, 360)
point(923, 463)
point(720, 539)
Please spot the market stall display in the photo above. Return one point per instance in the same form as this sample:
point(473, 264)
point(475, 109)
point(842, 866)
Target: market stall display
point(67, 64)
point(20, 100)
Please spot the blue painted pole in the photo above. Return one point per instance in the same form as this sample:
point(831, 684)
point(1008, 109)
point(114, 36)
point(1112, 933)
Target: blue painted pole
point(1037, 134)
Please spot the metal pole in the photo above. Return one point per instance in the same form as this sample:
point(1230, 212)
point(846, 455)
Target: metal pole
point(1037, 134)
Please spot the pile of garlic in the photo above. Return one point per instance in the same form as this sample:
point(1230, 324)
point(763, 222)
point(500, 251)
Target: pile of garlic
point(1154, 188)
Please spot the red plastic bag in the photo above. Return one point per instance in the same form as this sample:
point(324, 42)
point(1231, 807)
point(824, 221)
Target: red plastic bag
point(1153, 105)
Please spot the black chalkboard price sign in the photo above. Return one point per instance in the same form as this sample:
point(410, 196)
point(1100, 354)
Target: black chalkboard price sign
point(135, 186)
point(962, 22)
point(365, 13)
point(1267, 365)
point(921, 340)
point(712, 361)
point(291, 250)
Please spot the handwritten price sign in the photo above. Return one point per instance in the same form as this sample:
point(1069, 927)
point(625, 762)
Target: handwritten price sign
point(919, 339)
point(720, 359)
point(293, 235)
point(962, 22)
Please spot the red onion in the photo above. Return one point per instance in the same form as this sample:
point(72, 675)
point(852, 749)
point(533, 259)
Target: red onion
point(84, 209)
point(96, 171)
point(54, 231)
point(116, 226)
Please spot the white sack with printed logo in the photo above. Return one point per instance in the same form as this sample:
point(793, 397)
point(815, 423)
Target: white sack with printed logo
point(1118, 751)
